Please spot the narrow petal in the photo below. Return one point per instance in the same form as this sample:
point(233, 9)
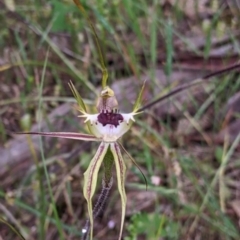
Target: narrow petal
point(82, 107)
point(134, 162)
point(137, 104)
point(90, 180)
point(70, 135)
point(121, 172)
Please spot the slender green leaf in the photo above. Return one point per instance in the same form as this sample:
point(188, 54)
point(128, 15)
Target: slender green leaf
point(12, 228)
point(58, 221)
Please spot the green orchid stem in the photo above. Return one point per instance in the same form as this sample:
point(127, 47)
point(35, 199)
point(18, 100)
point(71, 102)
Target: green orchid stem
point(103, 68)
point(98, 208)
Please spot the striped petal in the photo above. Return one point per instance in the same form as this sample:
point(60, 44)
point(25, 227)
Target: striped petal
point(70, 135)
point(90, 180)
point(121, 173)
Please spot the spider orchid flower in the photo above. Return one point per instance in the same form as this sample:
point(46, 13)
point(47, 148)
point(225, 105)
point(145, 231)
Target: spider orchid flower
point(107, 126)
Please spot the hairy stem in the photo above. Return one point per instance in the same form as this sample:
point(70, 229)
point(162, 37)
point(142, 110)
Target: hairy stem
point(106, 187)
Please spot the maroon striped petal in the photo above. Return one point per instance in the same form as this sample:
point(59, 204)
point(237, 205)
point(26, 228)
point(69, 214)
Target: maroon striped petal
point(121, 173)
point(90, 179)
point(70, 135)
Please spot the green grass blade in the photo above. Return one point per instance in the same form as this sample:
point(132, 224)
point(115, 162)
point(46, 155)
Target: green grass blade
point(58, 222)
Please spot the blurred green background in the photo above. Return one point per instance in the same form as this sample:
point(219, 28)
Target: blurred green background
point(187, 146)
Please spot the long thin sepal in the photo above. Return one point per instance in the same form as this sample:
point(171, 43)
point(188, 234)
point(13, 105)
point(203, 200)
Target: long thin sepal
point(134, 162)
point(121, 173)
point(78, 98)
point(90, 180)
point(69, 135)
point(138, 102)
point(189, 85)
